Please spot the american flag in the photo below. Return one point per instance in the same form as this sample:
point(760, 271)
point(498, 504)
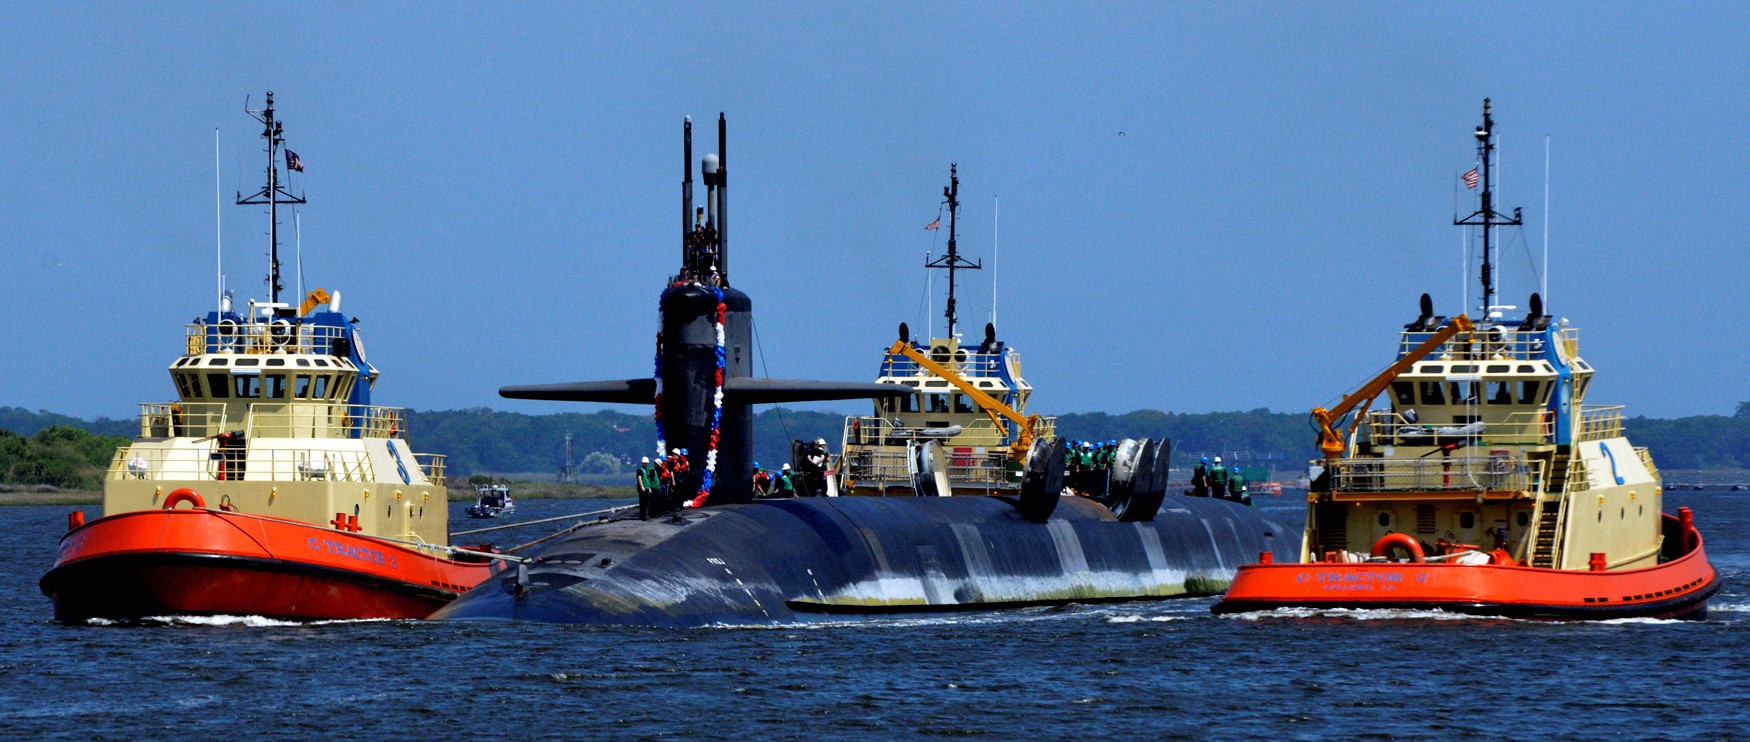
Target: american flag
point(1470, 178)
point(933, 225)
point(292, 161)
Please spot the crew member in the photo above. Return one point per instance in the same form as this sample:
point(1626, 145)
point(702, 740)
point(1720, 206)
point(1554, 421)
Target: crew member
point(1218, 479)
point(649, 487)
point(785, 486)
point(1200, 478)
point(1236, 486)
point(762, 482)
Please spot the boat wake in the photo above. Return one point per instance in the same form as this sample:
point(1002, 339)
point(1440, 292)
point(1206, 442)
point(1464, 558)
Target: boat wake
point(1358, 614)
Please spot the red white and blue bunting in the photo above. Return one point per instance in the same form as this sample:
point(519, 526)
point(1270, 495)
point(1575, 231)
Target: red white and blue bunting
point(716, 406)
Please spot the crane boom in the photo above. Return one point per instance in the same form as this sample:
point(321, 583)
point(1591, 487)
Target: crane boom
point(989, 405)
point(1331, 441)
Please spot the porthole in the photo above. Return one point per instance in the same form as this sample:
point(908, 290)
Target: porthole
point(1384, 519)
point(1524, 519)
point(1467, 520)
point(355, 510)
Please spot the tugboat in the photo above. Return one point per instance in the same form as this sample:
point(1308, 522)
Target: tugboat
point(492, 500)
point(272, 487)
point(1488, 487)
point(705, 551)
point(964, 428)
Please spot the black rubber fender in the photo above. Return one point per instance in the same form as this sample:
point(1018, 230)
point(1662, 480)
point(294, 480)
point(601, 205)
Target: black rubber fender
point(1042, 482)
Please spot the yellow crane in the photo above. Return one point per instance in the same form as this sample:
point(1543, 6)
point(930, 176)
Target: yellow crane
point(991, 406)
point(315, 299)
point(1332, 442)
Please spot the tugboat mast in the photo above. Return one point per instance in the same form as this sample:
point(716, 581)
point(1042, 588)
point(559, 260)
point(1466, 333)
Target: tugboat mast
point(952, 260)
point(1486, 216)
point(273, 194)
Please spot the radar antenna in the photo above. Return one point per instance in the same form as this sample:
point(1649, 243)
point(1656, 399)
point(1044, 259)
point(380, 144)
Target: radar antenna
point(952, 260)
point(1486, 216)
point(274, 193)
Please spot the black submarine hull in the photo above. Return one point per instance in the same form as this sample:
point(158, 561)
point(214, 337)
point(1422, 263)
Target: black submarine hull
point(815, 559)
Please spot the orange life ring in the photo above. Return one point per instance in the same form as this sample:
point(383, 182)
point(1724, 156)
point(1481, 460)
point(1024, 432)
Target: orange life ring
point(185, 495)
point(1384, 545)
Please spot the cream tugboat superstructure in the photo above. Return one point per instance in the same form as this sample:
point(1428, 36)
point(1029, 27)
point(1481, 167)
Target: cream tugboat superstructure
point(1487, 485)
point(272, 486)
point(964, 429)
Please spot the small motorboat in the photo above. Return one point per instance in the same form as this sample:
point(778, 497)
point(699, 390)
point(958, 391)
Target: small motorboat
point(492, 501)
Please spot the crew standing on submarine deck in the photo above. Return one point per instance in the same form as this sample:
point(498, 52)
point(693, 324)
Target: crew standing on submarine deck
point(649, 487)
point(1200, 478)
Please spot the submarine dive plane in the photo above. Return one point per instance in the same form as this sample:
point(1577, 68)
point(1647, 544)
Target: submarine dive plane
point(709, 553)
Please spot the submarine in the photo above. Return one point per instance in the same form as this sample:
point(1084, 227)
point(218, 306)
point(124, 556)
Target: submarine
point(710, 553)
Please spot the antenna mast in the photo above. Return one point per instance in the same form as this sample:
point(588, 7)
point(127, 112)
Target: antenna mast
point(952, 260)
point(273, 194)
point(1486, 216)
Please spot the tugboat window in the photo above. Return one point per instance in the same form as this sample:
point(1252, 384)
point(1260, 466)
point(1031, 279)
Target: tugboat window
point(938, 403)
point(219, 385)
point(1528, 392)
point(1500, 392)
point(1432, 393)
point(962, 403)
point(276, 386)
point(246, 386)
point(321, 390)
point(908, 403)
point(301, 386)
point(1405, 391)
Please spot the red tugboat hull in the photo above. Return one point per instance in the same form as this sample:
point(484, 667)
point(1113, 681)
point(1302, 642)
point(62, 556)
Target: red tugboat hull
point(1678, 588)
point(212, 562)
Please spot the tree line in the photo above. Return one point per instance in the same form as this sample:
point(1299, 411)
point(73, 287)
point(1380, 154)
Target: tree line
point(48, 448)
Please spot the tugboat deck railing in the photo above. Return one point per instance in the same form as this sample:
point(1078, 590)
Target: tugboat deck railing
point(433, 466)
point(1494, 473)
point(965, 469)
point(878, 431)
point(324, 420)
point(975, 366)
point(181, 419)
point(242, 464)
point(1388, 427)
point(264, 338)
point(1599, 422)
point(1485, 344)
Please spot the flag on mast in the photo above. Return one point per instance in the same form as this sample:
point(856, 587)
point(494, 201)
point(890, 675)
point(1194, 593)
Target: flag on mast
point(1470, 179)
point(937, 224)
point(293, 162)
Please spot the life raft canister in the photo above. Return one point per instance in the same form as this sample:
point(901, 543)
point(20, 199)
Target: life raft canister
point(185, 495)
point(1386, 543)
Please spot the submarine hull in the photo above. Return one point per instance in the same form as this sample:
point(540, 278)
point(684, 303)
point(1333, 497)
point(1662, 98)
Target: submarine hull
point(813, 559)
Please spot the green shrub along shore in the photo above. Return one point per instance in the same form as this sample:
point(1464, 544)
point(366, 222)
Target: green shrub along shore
point(44, 455)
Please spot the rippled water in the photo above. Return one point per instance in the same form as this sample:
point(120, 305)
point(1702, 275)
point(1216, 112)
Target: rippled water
point(1129, 671)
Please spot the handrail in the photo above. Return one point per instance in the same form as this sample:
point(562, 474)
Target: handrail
point(1494, 472)
point(326, 420)
point(181, 419)
point(878, 431)
point(261, 337)
point(1599, 422)
point(218, 463)
point(1486, 344)
point(976, 366)
point(1392, 428)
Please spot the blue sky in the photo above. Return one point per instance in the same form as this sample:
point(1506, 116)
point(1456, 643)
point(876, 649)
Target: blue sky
point(494, 188)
